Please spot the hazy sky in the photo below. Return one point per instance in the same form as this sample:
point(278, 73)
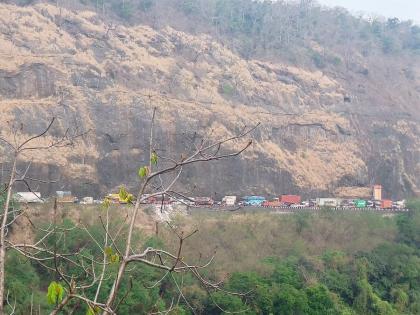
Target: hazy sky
point(403, 9)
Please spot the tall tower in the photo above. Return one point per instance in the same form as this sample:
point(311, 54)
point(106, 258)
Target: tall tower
point(377, 192)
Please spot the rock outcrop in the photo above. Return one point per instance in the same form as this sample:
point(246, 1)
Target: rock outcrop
point(319, 133)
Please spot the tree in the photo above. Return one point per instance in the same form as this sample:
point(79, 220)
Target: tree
point(409, 224)
point(102, 278)
point(289, 300)
point(17, 148)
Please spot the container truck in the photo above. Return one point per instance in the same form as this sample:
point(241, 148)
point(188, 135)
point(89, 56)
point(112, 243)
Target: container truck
point(386, 204)
point(203, 201)
point(253, 200)
point(271, 203)
point(290, 199)
point(360, 203)
point(28, 197)
point(328, 202)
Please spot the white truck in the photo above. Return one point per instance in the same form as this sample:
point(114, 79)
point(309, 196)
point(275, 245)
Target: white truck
point(86, 201)
point(328, 202)
point(28, 197)
point(229, 200)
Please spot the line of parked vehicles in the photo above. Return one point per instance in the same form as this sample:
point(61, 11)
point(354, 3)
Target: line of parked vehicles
point(292, 201)
point(283, 201)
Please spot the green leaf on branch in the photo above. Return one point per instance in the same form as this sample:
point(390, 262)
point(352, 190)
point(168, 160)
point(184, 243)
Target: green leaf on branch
point(55, 293)
point(92, 310)
point(123, 193)
point(129, 198)
point(154, 158)
point(106, 203)
point(115, 258)
point(143, 171)
point(108, 251)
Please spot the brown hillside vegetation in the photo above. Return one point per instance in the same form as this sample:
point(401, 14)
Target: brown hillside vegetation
point(241, 239)
point(325, 128)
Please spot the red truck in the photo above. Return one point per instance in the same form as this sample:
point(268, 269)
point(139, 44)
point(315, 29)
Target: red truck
point(386, 204)
point(290, 199)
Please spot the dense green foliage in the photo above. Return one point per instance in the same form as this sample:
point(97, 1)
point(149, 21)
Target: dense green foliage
point(382, 281)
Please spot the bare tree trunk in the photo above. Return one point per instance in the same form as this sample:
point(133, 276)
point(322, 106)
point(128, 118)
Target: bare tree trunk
point(115, 287)
point(3, 233)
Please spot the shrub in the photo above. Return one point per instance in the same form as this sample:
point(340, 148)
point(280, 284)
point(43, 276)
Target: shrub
point(318, 60)
point(227, 89)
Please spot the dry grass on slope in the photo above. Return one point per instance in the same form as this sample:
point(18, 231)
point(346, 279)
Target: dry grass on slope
point(243, 240)
point(192, 77)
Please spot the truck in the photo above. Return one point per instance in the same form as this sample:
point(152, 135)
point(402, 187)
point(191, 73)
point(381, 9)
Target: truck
point(203, 201)
point(386, 204)
point(271, 203)
point(400, 204)
point(116, 198)
point(61, 193)
point(67, 199)
point(253, 200)
point(28, 197)
point(229, 200)
point(290, 199)
point(328, 202)
point(86, 201)
point(360, 203)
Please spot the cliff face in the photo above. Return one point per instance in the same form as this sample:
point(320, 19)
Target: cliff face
point(320, 132)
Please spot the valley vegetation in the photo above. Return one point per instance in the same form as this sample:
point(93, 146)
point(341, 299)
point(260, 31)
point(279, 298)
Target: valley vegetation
point(326, 263)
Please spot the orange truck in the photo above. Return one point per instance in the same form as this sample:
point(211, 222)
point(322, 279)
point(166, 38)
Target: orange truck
point(272, 203)
point(290, 199)
point(386, 204)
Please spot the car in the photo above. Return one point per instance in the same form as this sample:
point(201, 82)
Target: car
point(305, 203)
point(296, 205)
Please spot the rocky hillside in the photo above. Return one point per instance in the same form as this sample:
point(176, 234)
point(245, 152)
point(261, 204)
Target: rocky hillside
point(320, 132)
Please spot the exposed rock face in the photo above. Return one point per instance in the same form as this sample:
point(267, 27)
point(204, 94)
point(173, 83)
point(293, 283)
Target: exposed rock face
point(313, 138)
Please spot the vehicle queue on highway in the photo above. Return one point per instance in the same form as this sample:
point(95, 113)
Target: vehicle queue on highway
point(283, 201)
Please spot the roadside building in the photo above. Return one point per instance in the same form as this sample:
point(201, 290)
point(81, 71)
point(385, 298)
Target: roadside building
point(377, 192)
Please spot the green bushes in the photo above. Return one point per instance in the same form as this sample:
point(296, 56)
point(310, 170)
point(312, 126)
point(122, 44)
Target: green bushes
point(227, 89)
point(319, 60)
point(372, 272)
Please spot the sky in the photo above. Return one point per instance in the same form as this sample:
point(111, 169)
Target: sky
point(402, 9)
